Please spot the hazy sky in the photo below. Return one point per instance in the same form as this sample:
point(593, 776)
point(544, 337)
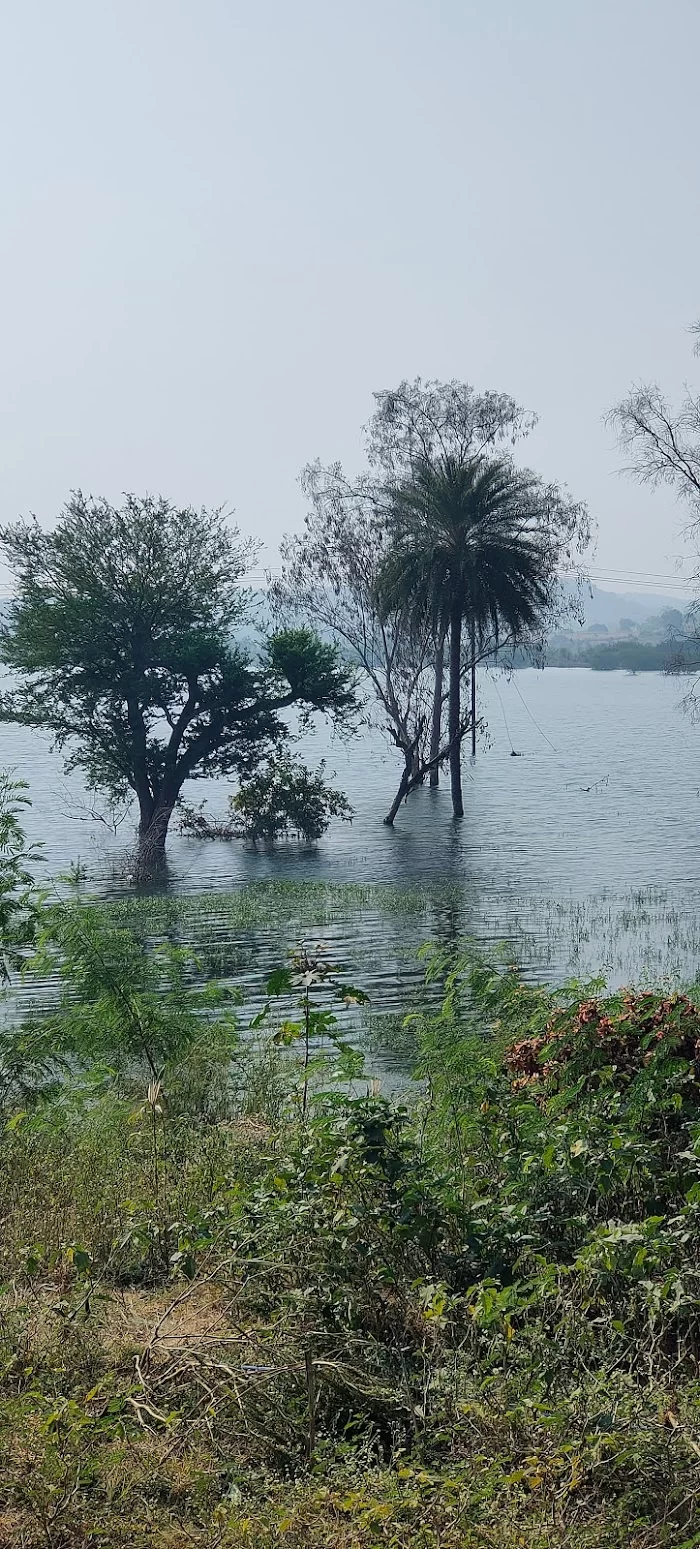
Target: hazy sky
point(225, 224)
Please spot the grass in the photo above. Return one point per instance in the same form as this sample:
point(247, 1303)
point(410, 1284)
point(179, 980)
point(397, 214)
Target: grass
point(259, 903)
point(166, 1414)
point(227, 1320)
point(640, 936)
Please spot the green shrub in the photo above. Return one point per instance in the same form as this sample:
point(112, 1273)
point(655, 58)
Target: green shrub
point(280, 799)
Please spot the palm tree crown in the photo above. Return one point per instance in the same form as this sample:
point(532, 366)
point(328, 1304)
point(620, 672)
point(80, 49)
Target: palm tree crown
point(471, 547)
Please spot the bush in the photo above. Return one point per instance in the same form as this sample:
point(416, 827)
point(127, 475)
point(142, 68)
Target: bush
point(281, 799)
point(232, 1312)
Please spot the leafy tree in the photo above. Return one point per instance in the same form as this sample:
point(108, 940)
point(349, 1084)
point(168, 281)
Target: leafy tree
point(123, 634)
point(671, 619)
point(477, 542)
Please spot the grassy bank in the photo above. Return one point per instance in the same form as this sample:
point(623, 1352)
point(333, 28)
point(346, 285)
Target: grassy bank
point(238, 1306)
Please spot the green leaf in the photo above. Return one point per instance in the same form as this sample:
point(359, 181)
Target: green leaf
point(16, 1120)
point(287, 1033)
point(279, 982)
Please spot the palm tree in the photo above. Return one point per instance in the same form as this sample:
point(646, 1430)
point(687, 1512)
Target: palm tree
point(471, 547)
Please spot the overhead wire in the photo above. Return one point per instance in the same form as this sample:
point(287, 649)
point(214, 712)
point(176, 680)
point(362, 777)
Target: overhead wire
point(532, 718)
point(503, 713)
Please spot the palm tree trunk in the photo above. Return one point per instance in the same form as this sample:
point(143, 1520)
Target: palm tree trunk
point(473, 684)
point(436, 727)
point(455, 712)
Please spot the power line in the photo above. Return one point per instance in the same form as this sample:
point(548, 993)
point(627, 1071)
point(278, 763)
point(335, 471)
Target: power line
point(642, 578)
point(657, 575)
point(532, 718)
point(503, 713)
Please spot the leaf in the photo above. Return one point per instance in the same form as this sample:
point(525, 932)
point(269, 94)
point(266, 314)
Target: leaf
point(279, 982)
point(352, 996)
point(81, 1259)
point(288, 1032)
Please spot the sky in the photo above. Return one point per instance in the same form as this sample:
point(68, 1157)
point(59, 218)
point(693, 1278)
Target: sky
point(224, 225)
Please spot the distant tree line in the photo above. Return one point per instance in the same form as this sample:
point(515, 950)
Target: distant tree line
point(630, 656)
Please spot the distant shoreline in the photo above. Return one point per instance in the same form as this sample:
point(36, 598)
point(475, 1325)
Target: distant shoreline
point(674, 656)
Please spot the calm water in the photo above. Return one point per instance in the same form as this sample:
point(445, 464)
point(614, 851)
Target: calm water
point(584, 850)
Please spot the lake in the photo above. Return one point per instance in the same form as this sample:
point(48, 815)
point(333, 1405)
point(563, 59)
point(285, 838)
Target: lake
point(582, 851)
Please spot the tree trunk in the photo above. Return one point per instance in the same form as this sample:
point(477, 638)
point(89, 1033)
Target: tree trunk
point(436, 727)
point(399, 797)
point(472, 636)
point(455, 712)
point(406, 783)
point(153, 831)
point(413, 772)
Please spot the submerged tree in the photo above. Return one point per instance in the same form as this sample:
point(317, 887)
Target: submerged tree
point(663, 447)
point(331, 571)
point(329, 575)
point(123, 634)
point(477, 544)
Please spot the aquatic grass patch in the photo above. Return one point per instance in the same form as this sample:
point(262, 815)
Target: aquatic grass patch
point(638, 936)
point(240, 936)
point(261, 903)
point(641, 936)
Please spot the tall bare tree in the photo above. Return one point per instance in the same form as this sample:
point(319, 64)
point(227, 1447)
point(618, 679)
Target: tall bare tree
point(662, 443)
point(329, 574)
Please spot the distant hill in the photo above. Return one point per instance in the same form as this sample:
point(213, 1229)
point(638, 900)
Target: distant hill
point(608, 608)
